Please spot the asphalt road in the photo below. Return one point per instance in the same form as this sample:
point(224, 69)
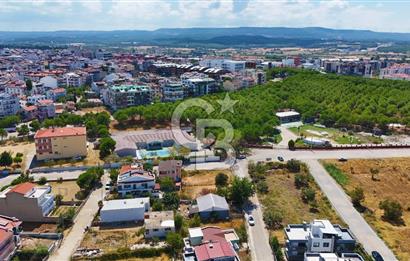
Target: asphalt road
point(341, 202)
point(84, 218)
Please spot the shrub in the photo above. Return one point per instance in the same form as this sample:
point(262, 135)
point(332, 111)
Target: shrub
point(262, 187)
point(393, 211)
point(291, 144)
point(58, 198)
point(273, 219)
point(308, 194)
point(42, 181)
point(242, 233)
point(221, 180)
point(301, 181)
point(293, 165)
point(357, 196)
point(274, 244)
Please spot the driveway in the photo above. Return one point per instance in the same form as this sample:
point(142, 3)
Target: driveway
point(341, 202)
point(84, 218)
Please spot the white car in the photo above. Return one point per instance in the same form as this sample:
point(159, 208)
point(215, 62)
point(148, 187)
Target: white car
point(251, 220)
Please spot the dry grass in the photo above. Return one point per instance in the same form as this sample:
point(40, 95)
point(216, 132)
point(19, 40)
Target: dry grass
point(393, 181)
point(84, 111)
point(61, 210)
point(92, 159)
point(39, 227)
point(68, 189)
point(22, 147)
point(31, 243)
point(163, 257)
point(112, 239)
point(234, 223)
point(195, 182)
point(286, 198)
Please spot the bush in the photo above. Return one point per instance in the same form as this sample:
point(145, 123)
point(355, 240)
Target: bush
point(221, 180)
point(302, 181)
point(308, 194)
point(273, 219)
point(393, 211)
point(42, 181)
point(262, 187)
point(291, 145)
point(35, 254)
point(274, 244)
point(58, 198)
point(242, 233)
point(293, 165)
point(174, 242)
point(357, 196)
point(179, 221)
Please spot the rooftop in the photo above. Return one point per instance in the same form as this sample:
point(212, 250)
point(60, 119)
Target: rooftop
point(125, 204)
point(159, 219)
point(287, 114)
point(60, 132)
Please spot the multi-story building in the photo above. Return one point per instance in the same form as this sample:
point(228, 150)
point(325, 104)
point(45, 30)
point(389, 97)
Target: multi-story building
point(46, 109)
point(320, 236)
point(396, 72)
point(34, 99)
point(9, 104)
point(27, 202)
point(57, 143)
point(134, 180)
point(199, 86)
point(229, 65)
point(172, 92)
point(54, 94)
point(10, 228)
point(123, 96)
point(72, 80)
point(170, 168)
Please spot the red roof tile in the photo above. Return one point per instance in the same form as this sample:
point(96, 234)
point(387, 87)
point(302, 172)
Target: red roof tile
point(211, 251)
point(5, 236)
point(22, 188)
point(60, 132)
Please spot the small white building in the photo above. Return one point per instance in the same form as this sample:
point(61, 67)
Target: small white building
point(159, 224)
point(124, 210)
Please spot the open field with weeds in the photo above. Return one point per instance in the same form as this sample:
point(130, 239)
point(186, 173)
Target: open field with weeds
point(110, 239)
point(194, 183)
point(68, 189)
point(381, 179)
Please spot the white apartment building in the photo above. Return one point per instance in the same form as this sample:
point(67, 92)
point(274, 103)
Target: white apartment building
point(172, 92)
point(124, 210)
point(134, 180)
point(9, 104)
point(73, 80)
point(35, 99)
point(229, 65)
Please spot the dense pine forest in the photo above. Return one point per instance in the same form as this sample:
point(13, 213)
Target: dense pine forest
point(337, 101)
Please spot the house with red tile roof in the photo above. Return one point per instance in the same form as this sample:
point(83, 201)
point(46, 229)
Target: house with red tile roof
point(211, 251)
point(27, 202)
point(58, 143)
point(133, 179)
point(10, 228)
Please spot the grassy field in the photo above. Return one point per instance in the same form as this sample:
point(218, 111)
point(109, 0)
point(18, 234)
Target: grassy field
point(284, 197)
point(196, 182)
point(61, 210)
point(22, 147)
point(336, 135)
point(390, 180)
point(112, 239)
point(68, 189)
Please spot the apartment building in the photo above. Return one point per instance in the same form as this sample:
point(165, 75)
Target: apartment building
point(27, 202)
point(72, 80)
point(118, 97)
point(134, 180)
point(396, 72)
point(320, 236)
point(199, 86)
point(170, 168)
point(58, 143)
point(9, 104)
point(10, 228)
point(229, 65)
point(172, 92)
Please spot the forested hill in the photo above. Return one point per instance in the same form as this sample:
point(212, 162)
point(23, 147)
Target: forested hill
point(339, 101)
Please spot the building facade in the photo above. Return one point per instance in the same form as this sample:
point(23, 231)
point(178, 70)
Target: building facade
point(134, 180)
point(9, 105)
point(118, 97)
point(27, 202)
point(59, 143)
point(170, 168)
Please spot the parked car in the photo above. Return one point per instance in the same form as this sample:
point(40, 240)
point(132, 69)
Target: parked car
point(376, 256)
point(251, 220)
point(342, 159)
point(280, 158)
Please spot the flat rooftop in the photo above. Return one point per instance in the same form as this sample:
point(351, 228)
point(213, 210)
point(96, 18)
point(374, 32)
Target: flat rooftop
point(287, 114)
point(125, 204)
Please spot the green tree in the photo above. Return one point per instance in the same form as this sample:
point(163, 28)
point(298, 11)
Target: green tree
point(291, 144)
point(157, 205)
point(90, 178)
point(107, 146)
point(167, 184)
point(171, 200)
point(293, 165)
point(35, 125)
point(174, 242)
point(23, 130)
point(393, 211)
point(308, 194)
point(58, 198)
point(273, 219)
point(3, 133)
point(179, 220)
point(29, 85)
point(262, 187)
point(274, 244)
point(5, 159)
point(240, 190)
point(42, 181)
point(221, 179)
point(302, 181)
point(357, 196)
point(114, 175)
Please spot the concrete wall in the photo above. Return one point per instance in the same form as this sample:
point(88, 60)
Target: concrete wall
point(122, 215)
point(66, 147)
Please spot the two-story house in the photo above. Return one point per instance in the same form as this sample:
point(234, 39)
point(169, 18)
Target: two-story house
point(27, 202)
point(10, 228)
point(134, 180)
point(170, 168)
point(320, 236)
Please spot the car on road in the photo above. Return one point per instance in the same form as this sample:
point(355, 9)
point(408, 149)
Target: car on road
point(280, 158)
point(376, 256)
point(342, 159)
point(251, 220)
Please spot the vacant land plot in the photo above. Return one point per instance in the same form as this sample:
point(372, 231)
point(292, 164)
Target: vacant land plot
point(382, 179)
point(92, 159)
point(61, 210)
point(68, 189)
point(112, 239)
point(284, 198)
point(196, 182)
point(27, 148)
point(336, 135)
point(31, 243)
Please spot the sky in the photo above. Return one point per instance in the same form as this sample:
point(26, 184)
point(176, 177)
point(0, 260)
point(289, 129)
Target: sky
point(51, 15)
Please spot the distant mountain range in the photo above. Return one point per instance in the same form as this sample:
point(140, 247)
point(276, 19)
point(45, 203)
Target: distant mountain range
point(240, 36)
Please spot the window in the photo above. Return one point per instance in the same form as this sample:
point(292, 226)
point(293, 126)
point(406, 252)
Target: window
point(155, 229)
point(325, 244)
point(316, 244)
